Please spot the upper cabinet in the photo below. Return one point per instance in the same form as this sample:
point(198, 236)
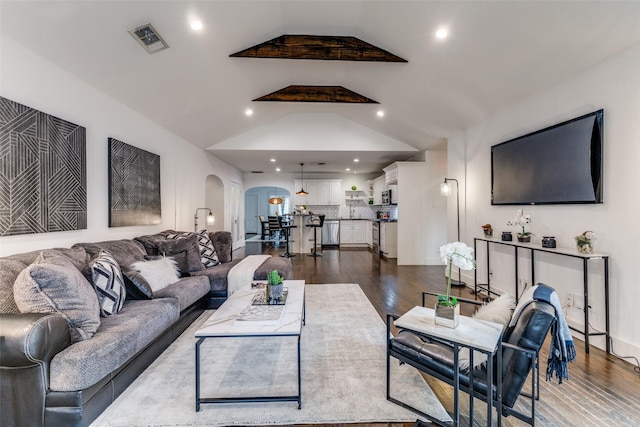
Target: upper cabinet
point(322, 192)
point(391, 174)
point(378, 186)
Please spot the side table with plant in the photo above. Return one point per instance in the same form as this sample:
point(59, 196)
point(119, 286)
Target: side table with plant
point(521, 220)
point(447, 307)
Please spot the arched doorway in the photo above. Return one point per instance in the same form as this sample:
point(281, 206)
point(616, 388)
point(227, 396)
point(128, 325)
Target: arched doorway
point(214, 200)
point(256, 202)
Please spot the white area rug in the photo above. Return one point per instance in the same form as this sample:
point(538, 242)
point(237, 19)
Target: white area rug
point(343, 374)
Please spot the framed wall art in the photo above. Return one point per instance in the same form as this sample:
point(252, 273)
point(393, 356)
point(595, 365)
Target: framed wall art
point(43, 172)
point(134, 186)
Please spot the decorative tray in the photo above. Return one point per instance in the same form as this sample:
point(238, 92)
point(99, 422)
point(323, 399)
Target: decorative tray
point(259, 298)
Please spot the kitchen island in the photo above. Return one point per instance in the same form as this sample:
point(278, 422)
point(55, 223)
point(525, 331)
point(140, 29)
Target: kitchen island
point(301, 238)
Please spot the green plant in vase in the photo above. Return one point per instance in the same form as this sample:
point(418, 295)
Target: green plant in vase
point(274, 287)
point(447, 308)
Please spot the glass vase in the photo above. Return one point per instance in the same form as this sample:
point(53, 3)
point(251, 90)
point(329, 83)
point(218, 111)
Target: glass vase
point(447, 316)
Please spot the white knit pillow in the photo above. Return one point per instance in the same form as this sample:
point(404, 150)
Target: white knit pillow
point(159, 273)
point(497, 311)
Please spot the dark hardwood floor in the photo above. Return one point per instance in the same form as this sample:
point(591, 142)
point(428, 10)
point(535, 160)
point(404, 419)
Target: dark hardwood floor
point(602, 390)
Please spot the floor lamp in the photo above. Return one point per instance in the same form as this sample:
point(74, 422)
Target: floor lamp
point(445, 190)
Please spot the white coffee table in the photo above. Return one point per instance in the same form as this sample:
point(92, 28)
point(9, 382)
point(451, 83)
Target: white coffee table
point(224, 323)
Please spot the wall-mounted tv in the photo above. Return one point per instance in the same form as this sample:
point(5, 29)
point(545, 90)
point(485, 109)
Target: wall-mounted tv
point(558, 164)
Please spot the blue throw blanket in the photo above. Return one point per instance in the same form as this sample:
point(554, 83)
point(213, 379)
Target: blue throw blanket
point(562, 349)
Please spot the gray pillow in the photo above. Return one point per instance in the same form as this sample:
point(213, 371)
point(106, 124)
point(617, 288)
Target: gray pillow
point(55, 285)
point(177, 243)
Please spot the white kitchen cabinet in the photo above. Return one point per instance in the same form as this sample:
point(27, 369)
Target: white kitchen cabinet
point(391, 174)
point(368, 232)
point(353, 233)
point(389, 239)
point(322, 192)
point(378, 186)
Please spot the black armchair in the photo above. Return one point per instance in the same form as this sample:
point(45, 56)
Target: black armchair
point(521, 344)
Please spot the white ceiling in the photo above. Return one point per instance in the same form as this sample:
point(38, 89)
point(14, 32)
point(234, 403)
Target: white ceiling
point(498, 54)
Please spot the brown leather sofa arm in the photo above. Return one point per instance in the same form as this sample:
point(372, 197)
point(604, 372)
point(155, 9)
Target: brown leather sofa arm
point(28, 342)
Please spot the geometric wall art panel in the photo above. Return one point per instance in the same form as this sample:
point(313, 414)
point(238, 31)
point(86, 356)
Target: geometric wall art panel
point(43, 172)
point(134, 186)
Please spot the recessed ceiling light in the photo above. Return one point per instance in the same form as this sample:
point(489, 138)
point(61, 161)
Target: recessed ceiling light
point(248, 112)
point(442, 33)
point(356, 160)
point(196, 25)
point(348, 169)
point(277, 169)
point(380, 113)
point(273, 160)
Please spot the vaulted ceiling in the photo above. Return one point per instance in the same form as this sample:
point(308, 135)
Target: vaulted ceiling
point(498, 53)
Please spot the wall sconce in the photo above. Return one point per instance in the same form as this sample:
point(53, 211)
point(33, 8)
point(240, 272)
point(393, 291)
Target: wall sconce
point(210, 218)
point(445, 190)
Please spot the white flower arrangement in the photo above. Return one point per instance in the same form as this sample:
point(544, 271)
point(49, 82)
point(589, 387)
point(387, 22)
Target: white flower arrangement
point(521, 220)
point(584, 241)
point(460, 255)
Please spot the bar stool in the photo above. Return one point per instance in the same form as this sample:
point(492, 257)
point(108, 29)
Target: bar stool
point(286, 224)
point(315, 221)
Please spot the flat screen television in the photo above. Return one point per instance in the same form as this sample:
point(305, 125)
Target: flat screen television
point(555, 165)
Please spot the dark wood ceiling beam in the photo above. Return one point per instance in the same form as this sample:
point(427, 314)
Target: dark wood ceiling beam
point(329, 48)
point(304, 93)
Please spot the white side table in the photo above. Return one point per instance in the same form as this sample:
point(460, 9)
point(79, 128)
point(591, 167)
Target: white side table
point(478, 335)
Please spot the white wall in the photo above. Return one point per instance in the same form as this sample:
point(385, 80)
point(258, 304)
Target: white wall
point(29, 79)
point(613, 85)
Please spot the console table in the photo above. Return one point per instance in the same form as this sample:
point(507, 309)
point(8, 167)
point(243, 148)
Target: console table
point(533, 248)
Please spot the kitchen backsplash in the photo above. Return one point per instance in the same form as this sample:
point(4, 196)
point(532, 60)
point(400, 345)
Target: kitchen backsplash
point(357, 212)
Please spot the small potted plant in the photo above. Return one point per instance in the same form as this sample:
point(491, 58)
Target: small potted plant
point(274, 287)
point(488, 230)
point(521, 220)
point(585, 242)
point(447, 307)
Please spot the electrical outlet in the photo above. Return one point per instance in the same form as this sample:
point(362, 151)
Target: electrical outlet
point(569, 300)
point(578, 301)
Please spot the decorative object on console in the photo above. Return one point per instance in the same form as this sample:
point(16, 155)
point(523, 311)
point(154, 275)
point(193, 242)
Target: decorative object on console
point(585, 242)
point(210, 218)
point(445, 190)
point(134, 186)
point(521, 220)
point(548, 242)
point(43, 174)
point(488, 230)
point(273, 291)
point(447, 308)
point(302, 192)
point(507, 236)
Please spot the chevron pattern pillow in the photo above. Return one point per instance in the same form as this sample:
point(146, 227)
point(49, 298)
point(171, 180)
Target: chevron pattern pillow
point(108, 283)
point(208, 254)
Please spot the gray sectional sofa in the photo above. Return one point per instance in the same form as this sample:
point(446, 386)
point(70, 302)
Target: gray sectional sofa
point(49, 379)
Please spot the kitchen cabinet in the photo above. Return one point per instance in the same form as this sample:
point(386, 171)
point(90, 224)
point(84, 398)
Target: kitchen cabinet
point(322, 192)
point(378, 186)
point(391, 174)
point(353, 232)
point(389, 239)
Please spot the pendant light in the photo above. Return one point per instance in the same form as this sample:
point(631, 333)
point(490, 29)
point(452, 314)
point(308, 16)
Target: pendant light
point(275, 200)
point(302, 192)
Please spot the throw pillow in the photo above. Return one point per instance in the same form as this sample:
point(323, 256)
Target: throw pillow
point(208, 254)
point(55, 285)
point(137, 286)
point(185, 242)
point(108, 282)
point(158, 273)
point(497, 311)
point(180, 258)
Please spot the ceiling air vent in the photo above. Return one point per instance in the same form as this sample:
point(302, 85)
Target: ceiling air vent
point(149, 38)
point(257, 171)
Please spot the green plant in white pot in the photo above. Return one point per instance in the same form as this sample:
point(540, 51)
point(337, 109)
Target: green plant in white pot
point(447, 307)
point(274, 287)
